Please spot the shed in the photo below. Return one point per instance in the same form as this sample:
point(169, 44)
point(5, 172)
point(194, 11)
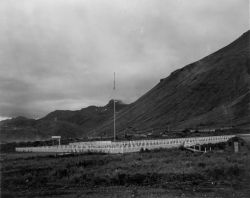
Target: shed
point(236, 144)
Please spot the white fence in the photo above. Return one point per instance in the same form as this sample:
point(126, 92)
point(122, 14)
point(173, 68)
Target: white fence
point(126, 146)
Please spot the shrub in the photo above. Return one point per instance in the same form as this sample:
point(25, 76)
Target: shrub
point(202, 164)
point(62, 173)
point(233, 170)
point(136, 179)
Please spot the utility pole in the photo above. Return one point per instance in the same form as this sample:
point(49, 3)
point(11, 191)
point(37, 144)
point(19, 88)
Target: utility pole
point(114, 110)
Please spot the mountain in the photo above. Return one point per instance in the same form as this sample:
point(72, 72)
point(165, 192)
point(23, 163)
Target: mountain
point(87, 118)
point(68, 124)
point(212, 92)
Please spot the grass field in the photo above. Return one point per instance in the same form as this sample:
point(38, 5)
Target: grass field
point(160, 173)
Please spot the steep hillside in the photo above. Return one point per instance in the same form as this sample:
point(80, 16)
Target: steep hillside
point(211, 92)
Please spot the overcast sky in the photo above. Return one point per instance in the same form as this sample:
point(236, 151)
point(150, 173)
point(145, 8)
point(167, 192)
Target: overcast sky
point(61, 54)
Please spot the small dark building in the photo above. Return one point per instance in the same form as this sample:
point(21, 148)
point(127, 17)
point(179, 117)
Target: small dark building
point(236, 144)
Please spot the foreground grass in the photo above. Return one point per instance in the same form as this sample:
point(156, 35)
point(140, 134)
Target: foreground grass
point(161, 169)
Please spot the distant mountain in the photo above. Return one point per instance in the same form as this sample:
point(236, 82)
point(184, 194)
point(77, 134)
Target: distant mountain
point(212, 92)
point(68, 124)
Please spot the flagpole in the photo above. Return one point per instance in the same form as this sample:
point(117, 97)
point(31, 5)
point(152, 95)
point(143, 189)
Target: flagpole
point(114, 110)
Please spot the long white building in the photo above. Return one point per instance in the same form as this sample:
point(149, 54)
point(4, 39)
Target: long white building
point(126, 146)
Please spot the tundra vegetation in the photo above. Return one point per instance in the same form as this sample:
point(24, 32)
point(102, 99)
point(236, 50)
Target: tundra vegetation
point(172, 172)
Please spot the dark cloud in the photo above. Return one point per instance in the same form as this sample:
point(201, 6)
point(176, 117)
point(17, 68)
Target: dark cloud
point(61, 54)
